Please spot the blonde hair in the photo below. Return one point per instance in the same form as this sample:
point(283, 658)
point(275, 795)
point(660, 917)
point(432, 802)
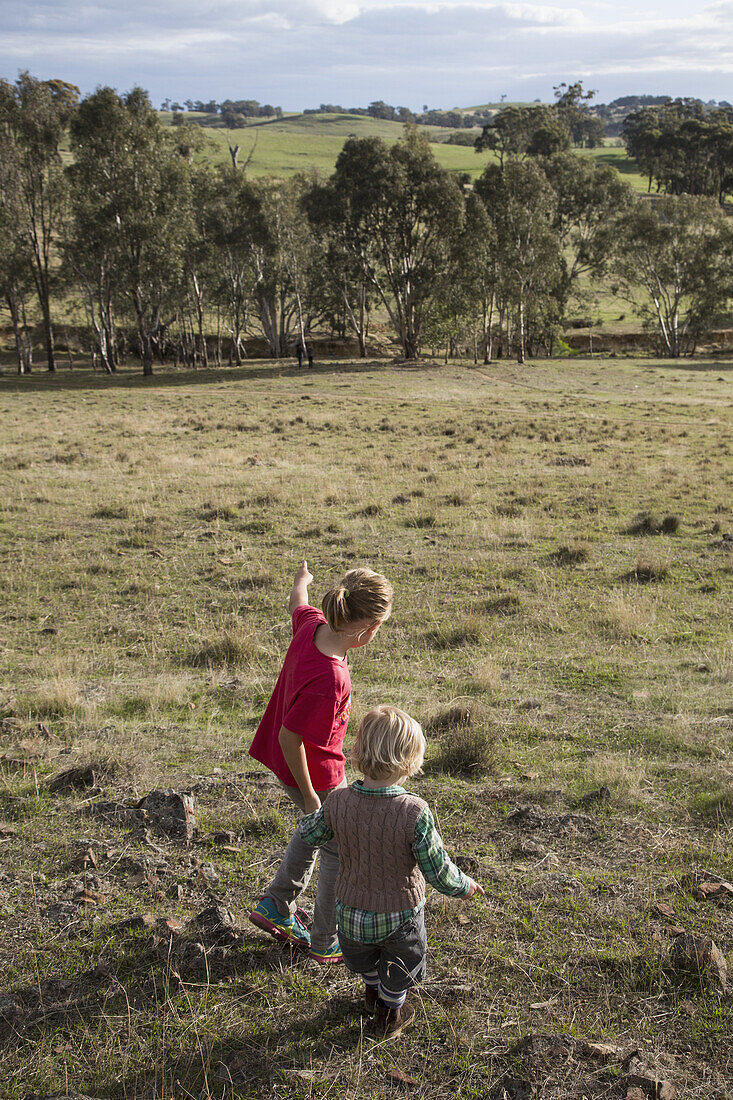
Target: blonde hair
point(362, 596)
point(389, 744)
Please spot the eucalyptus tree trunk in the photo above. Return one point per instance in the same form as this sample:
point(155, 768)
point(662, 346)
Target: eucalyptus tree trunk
point(199, 302)
point(268, 314)
point(146, 343)
point(357, 323)
point(23, 344)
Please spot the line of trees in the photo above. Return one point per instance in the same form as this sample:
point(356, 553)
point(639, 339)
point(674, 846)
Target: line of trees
point(234, 112)
point(684, 147)
point(427, 117)
point(171, 259)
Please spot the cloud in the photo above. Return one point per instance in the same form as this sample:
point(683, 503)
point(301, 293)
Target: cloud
point(301, 52)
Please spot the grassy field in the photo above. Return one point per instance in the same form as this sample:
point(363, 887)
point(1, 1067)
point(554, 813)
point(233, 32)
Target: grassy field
point(555, 536)
point(298, 143)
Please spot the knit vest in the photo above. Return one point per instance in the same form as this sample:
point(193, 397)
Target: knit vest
point(374, 834)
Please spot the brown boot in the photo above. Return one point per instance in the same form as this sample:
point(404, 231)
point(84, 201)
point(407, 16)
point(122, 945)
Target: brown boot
point(370, 1000)
point(391, 1021)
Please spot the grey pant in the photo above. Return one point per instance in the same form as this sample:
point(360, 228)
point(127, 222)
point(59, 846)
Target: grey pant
point(399, 960)
point(293, 875)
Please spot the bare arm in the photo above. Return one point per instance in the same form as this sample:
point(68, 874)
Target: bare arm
point(294, 753)
point(299, 591)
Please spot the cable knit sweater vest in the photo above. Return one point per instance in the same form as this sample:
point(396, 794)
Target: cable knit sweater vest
point(377, 868)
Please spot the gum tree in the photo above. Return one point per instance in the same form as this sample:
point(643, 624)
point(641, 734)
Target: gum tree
point(34, 115)
point(522, 206)
point(401, 214)
point(131, 191)
point(589, 199)
point(233, 224)
point(663, 265)
point(537, 130)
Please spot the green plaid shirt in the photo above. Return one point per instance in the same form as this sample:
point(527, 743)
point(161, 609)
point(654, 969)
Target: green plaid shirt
point(364, 925)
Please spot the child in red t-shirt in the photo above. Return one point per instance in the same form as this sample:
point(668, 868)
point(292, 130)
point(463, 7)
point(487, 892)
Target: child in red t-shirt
point(301, 736)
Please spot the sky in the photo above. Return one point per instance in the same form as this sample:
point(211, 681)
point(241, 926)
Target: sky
point(439, 53)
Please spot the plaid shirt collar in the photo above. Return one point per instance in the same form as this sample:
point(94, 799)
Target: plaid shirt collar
point(379, 792)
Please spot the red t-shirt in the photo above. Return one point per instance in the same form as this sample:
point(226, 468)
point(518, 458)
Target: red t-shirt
point(312, 698)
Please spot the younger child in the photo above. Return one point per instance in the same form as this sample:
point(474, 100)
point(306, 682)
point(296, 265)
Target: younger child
point(388, 846)
point(300, 738)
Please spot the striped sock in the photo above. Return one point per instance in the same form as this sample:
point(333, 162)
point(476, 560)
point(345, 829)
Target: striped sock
point(371, 979)
point(392, 1000)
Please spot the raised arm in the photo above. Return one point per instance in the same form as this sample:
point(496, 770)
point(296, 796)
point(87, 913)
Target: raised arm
point(299, 591)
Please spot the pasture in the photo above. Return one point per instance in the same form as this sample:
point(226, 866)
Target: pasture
point(558, 537)
point(302, 143)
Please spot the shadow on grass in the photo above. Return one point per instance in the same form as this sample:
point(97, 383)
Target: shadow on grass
point(257, 370)
point(147, 984)
point(624, 165)
point(243, 1062)
point(703, 363)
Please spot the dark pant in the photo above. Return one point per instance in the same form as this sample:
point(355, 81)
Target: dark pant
point(399, 960)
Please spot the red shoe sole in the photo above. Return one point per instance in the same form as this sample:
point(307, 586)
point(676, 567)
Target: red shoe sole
point(326, 962)
point(268, 926)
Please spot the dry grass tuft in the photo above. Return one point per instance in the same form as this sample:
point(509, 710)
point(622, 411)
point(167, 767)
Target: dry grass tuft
point(232, 646)
point(647, 523)
point(627, 615)
point(211, 512)
point(572, 554)
point(507, 604)
point(426, 519)
point(460, 714)
point(111, 512)
point(722, 665)
point(648, 571)
point(254, 580)
point(488, 676)
point(469, 630)
point(62, 697)
point(466, 750)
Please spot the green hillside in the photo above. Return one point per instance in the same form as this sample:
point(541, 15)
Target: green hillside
point(297, 143)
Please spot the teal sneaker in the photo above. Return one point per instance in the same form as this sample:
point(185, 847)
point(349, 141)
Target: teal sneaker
point(328, 955)
point(266, 915)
